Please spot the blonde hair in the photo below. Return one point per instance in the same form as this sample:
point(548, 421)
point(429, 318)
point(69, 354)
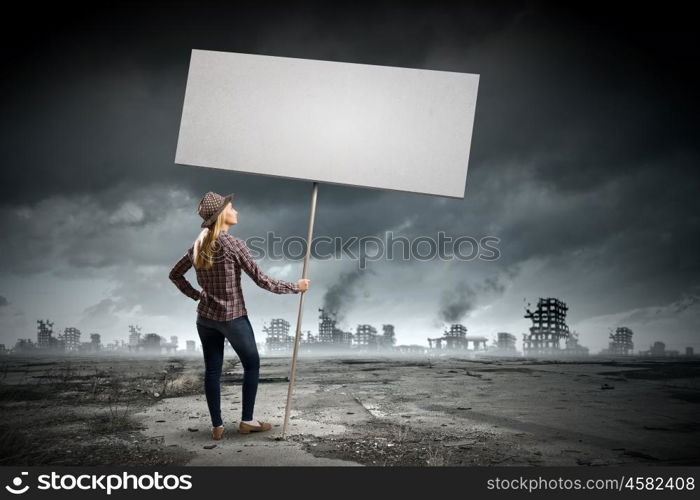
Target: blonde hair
point(206, 244)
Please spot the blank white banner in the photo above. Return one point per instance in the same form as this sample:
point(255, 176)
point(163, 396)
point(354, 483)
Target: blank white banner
point(362, 125)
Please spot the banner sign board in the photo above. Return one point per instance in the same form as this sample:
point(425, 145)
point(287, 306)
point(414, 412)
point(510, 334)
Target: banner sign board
point(363, 125)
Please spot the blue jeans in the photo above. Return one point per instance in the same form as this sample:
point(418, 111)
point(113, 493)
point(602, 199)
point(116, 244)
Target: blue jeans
point(239, 332)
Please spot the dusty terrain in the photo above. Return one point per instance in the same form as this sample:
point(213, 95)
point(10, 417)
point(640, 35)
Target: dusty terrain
point(374, 410)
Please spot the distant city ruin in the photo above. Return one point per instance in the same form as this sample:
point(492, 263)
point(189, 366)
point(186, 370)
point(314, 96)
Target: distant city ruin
point(548, 337)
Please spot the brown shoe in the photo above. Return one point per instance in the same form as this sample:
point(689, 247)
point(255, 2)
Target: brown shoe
point(217, 432)
point(244, 428)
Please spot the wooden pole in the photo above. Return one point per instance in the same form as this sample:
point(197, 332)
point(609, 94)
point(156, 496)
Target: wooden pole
point(297, 339)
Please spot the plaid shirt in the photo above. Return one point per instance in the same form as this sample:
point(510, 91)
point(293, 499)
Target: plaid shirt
point(222, 296)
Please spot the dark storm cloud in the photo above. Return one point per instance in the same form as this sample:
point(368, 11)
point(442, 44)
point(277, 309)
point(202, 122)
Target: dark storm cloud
point(552, 91)
point(3, 301)
point(103, 101)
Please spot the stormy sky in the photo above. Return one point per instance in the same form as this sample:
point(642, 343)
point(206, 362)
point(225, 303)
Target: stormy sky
point(583, 164)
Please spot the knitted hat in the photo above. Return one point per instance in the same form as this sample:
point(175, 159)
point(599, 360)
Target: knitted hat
point(211, 205)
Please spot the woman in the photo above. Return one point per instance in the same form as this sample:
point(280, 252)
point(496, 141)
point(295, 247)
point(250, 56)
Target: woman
point(218, 258)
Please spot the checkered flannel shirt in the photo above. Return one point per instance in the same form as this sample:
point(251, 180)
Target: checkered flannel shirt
point(221, 298)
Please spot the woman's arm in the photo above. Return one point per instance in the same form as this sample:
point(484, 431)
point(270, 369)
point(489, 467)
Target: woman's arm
point(177, 276)
point(245, 260)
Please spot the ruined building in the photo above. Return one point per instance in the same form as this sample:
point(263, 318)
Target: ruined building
point(66, 342)
point(366, 337)
point(277, 335)
point(504, 345)
point(156, 344)
point(389, 338)
point(506, 342)
point(24, 346)
point(410, 349)
point(70, 339)
point(95, 342)
point(44, 336)
point(548, 328)
point(152, 343)
point(134, 338)
point(573, 348)
point(279, 338)
point(456, 339)
point(329, 335)
point(621, 342)
point(659, 350)
point(190, 346)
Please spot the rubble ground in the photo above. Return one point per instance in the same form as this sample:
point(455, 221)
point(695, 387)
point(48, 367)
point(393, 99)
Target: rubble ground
point(372, 411)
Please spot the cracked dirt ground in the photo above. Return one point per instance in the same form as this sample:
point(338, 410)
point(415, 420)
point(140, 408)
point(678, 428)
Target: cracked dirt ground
point(382, 411)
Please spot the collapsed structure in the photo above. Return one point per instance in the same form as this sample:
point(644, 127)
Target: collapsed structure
point(621, 342)
point(277, 336)
point(456, 339)
point(68, 341)
point(658, 349)
point(150, 343)
point(330, 337)
point(504, 346)
point(548, 329)
point(506, 342)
